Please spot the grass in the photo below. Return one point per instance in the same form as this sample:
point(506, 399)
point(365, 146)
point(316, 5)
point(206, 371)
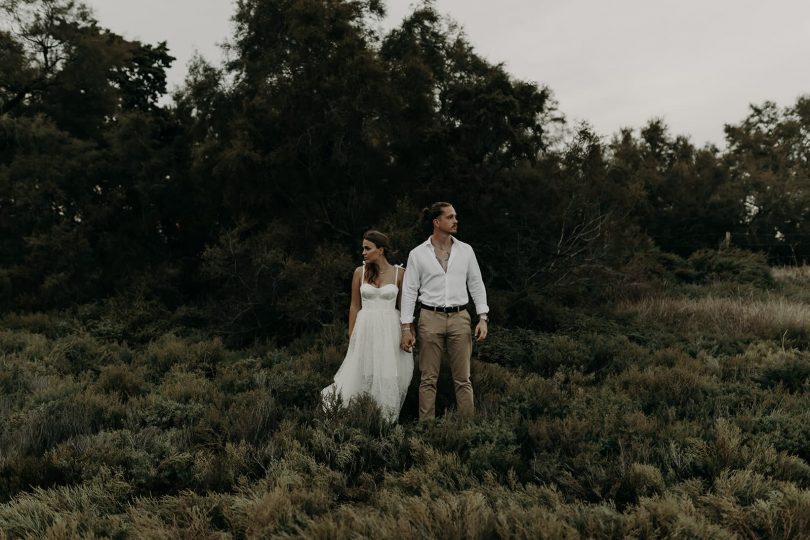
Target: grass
point(630, 423)
point(786, 274)
point(742, 317)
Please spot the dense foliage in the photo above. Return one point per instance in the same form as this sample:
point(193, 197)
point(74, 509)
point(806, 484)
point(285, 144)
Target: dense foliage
point(245, 197)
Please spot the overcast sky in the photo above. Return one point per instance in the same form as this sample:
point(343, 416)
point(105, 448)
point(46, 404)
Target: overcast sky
point(697, 64)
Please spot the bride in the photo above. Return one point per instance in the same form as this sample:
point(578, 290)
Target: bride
point(374, 363)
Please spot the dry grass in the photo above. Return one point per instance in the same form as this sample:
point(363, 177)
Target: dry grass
point(582, 435)
point(786, 274)
point(772, 318)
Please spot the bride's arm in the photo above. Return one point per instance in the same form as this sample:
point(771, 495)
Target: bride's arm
point(400, 275)
point(356, 302)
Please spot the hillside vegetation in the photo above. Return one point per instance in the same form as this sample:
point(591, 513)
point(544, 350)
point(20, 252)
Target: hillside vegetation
point(681, 414)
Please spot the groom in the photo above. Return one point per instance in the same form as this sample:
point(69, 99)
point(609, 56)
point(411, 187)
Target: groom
point(438, 274)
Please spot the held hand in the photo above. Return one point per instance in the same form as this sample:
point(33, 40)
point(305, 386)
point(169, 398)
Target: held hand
point(481, 330)
point(407, 341)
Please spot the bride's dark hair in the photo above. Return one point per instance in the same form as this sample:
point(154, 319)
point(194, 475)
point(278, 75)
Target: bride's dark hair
point(381, 241)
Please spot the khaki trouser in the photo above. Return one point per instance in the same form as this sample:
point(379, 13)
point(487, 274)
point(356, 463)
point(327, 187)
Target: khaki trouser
point(440, 332)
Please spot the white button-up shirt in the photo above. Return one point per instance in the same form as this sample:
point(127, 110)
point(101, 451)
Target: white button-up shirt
point(426, 281)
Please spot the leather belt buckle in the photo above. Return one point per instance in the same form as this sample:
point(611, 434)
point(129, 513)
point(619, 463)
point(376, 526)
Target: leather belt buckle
point(453, 309)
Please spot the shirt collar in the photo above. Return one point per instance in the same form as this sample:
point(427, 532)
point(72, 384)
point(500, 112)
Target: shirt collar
point(428, 244)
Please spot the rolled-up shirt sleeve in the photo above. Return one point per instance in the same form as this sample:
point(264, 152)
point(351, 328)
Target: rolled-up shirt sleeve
point(475, 283)
point(410, 290)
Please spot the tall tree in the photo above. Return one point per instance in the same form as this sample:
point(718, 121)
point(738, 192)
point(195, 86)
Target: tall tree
point(79, 102)
point(769, 159)
point(460, 120)
point(682, 196)
point(306, 111)
point(326, 127)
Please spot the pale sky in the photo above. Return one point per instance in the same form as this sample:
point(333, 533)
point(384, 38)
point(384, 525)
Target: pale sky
point(697, 64)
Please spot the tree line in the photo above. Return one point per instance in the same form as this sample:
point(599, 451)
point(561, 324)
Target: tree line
point(246, 194)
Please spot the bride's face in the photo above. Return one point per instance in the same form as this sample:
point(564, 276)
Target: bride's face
point(371, 253)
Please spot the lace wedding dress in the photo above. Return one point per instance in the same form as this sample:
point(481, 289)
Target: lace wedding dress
point(374, 363)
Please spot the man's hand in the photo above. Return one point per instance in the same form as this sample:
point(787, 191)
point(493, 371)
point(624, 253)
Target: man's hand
point(481, 330)
point(408, 339)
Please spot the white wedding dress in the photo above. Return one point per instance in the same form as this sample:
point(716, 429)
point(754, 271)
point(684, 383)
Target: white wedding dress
point(374, 363)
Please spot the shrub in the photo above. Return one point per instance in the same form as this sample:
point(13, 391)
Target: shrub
point(771, 463)
point(163, 353)
point(793, 373)
point(787, 432)
point(123, 380)
point(12, 379)
point(130, 318)
point(39, 429)
point(78, 353)
point(642, 424)
point(52, 325)
point(670, 516)
point(529, 310)
point(22, 343)
point(645, 480)
point(92, 508)
point(252, 416)
point(296, 389)
point(203, 357)
point(733, 265)
point(533, 351)
point(220, 470)
point(187, 387)
point(612, 354)
point(85, 457)
point(240, 376)
point(657, 389)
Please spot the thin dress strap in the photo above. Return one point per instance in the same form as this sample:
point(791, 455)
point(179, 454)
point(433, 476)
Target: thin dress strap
point(363, 277)
point(396, 274)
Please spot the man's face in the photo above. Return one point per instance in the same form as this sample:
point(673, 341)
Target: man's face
point(448, 221)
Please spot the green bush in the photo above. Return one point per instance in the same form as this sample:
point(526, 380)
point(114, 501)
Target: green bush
point(78, 353)
point(130, 318)
point(644, 480)
point(252, 416)
point(296, 388)
point(123, 380)
point(659, 390)
point(786, 432)
point(733, 265)
point(38, 429)
point(793, 374)
point(528, 310)
point(533, 351)
point(52, 325)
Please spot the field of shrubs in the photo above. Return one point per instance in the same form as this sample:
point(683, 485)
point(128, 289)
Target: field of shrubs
point(679, 411)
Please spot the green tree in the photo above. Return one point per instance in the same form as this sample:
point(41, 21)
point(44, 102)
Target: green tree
point(460, 120)
point(85, 153)
point(319, 124)
point(682, 196)
point(769, 159)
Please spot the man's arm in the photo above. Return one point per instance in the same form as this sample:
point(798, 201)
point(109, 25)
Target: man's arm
point(410, 290)
point(476, 285)
point(479, 294)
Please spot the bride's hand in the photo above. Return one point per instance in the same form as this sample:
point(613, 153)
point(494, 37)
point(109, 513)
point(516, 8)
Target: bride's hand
point(407, 340)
